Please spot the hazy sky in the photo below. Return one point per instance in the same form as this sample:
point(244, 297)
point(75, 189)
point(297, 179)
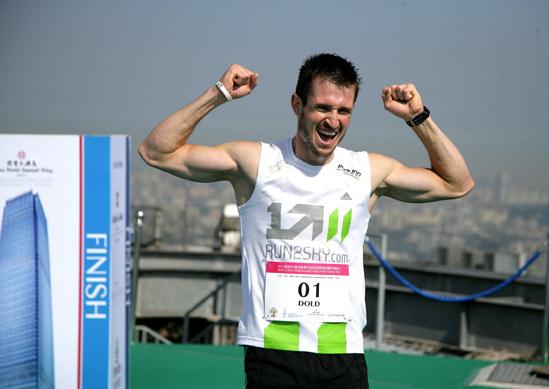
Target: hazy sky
point(108, 66)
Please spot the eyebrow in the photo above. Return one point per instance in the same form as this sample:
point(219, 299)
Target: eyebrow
point(329, 107)
point(322, 105)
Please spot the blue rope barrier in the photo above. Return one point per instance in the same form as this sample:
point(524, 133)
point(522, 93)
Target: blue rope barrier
point(453, 299)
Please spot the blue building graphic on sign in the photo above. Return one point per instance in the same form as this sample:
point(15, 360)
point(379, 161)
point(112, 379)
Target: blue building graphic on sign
point(26, 328)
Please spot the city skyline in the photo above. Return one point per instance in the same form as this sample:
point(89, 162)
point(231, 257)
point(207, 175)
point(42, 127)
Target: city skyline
point(77, 67)
point(504, 219)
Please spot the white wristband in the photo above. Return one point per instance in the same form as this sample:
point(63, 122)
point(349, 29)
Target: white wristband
point(223, 90)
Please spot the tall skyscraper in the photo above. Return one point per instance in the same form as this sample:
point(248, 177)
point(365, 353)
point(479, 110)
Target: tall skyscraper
point(502, 187)
point(26, 328)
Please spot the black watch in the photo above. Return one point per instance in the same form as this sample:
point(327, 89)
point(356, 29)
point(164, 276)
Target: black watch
point(419, 118)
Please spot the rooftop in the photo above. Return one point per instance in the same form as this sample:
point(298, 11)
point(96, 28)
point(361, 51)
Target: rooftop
point(199, 366)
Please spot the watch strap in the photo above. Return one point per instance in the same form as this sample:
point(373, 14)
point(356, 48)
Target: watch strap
point(419, 118)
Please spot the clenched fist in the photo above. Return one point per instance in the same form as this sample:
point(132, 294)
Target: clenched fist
point(239, 81)
point(402, 100)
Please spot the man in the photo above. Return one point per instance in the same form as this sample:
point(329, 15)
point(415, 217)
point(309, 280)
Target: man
point(304, 205)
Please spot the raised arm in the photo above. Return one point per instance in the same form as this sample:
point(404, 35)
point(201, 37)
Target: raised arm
point(166, 146)
point(447, 178)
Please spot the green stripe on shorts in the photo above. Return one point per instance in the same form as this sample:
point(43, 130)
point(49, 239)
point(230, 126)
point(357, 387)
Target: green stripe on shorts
point(332, 338)
point(282, 335)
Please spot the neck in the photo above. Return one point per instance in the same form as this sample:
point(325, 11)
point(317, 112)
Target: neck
point(306, 155)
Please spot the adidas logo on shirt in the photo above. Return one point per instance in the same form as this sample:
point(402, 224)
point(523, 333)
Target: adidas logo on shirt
point(345, 196)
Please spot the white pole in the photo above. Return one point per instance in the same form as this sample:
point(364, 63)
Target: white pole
point(545, 337)
point(380, 319)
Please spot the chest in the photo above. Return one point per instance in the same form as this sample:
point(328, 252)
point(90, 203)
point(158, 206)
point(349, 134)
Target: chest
point(325, 205)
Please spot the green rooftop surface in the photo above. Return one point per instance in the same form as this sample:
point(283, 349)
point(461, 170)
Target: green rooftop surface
point(197, 366)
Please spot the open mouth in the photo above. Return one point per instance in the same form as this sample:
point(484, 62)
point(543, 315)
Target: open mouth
point(326, 135)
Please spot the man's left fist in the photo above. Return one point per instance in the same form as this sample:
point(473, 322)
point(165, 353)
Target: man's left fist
point(402, 100)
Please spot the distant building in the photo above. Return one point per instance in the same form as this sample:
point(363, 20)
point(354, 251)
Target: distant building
point(151, 233)
point(503, 262)
point(508, 262)
point(26, 329)
point(227, 232)
point(508, 195)
point(450, 256)
point(477, 259)
point(502, 187)
point(458, 256)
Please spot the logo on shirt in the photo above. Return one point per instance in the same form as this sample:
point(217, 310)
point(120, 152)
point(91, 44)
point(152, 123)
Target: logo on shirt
point(313, 215)
point(278, 166)
point(350, 172)
point(345, 196)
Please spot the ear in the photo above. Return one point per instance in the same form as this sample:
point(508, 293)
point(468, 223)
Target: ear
point(297, 104)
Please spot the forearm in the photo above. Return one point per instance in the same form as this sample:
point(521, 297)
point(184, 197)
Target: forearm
point(173, 132)
point(446, 160)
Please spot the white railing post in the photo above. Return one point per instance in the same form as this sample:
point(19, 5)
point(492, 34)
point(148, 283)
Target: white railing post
point(135, 270)
point(381, 283)
point(545, 337)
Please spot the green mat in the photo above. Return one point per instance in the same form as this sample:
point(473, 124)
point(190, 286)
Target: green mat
point(194, 366)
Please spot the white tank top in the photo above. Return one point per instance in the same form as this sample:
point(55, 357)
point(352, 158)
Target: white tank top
point(302, 216)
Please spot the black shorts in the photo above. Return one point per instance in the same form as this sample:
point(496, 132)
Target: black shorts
point(270, 369)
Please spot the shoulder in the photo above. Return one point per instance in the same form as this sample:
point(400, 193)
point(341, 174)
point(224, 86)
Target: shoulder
point(241, 146)
point(381, 167)
point(381, 163)
point(242, 150)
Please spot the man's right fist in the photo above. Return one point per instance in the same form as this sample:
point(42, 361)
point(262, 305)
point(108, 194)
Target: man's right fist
point(239, 81)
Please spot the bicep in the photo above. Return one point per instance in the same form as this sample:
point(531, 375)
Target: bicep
point(409, 184)
point(205, 163)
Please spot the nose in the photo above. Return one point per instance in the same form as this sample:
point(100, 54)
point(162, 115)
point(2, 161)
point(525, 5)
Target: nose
point(332, 120)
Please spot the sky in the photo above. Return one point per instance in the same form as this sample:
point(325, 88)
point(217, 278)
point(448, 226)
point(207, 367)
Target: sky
point(119, 67)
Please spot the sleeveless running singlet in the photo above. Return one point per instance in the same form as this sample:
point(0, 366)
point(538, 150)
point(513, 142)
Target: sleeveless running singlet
point(303, 230)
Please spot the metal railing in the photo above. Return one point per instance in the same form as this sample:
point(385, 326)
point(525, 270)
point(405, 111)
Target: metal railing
point(381, 284)
point(143, 334)
point(545, 338)
point(380, 319)
point(138, 229)
point(220, 319)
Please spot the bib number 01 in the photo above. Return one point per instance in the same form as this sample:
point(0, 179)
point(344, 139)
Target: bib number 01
point(303, 289)
point(292, 291)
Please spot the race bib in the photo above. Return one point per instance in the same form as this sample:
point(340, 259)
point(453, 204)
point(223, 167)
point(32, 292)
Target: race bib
point(296, 291)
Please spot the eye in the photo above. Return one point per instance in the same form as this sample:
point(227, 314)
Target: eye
point(344, 111)
point(323, 108)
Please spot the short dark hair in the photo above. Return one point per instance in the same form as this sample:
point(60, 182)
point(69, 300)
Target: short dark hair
point(336, 69)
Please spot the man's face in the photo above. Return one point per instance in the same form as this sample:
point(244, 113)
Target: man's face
point(323, 121)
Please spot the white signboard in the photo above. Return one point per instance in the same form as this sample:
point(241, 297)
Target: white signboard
point(64, 220)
